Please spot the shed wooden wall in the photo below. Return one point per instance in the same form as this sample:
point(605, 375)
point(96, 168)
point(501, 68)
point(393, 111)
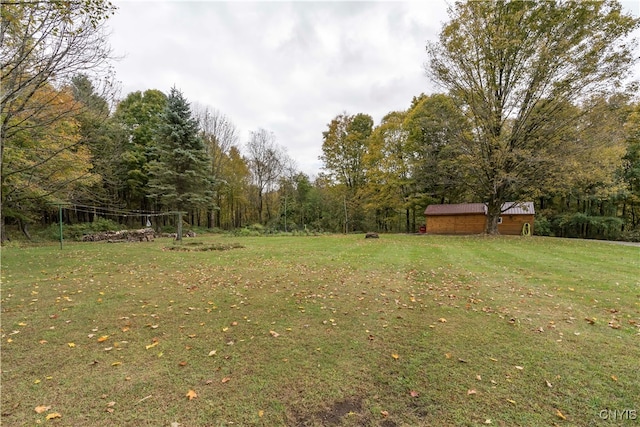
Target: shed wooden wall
point(456, 224)
point(512, 224)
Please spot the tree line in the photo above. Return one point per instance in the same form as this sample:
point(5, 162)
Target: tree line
point(536, 106)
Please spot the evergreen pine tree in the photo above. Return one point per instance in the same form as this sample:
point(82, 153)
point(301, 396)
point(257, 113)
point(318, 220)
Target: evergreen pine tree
point(179, 178)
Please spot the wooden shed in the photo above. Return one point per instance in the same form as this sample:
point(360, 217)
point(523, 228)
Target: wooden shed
point(471, 218)
point(463, 218)
point(514, 217)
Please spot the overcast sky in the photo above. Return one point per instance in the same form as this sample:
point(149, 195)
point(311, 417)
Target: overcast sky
point(287, 67)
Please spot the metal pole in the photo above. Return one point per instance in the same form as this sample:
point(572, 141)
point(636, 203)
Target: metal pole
point(60, 215)
point(346, 218)
point(179, 234)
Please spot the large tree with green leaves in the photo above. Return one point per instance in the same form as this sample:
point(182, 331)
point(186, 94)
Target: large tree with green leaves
point(389, 163)
point(513, 66)
point(434, 126)
point(179, 177)
point(137, 119)
point(344, 148)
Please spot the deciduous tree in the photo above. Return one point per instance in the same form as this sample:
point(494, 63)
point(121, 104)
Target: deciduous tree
point(512, 66)
point(44, 44)
point(266, 161)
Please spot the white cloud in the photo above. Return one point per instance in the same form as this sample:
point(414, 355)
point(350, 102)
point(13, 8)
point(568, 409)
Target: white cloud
point(287, 67)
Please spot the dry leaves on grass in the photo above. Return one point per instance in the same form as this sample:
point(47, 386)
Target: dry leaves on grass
point(191, 395)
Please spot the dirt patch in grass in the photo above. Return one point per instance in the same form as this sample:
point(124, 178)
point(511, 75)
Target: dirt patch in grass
point(201, 247)
point(343, 412)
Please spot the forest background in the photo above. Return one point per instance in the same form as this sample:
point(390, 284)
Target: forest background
point(538, 105)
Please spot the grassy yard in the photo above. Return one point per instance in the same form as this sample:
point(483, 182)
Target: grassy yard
point(322, 331)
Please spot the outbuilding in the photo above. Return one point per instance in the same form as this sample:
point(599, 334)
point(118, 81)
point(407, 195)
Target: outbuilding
point(471, 218)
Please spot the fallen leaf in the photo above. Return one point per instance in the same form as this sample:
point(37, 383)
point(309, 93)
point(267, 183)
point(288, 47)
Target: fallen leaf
point(42, 408)
point(478, 377)
point(212, 352)
point(472, 391)
point(447, 355)
point(395, 356)
point(519, 367)
point(613, 377)
point(511, 401)
point(192, 394)
point(116, 364)
point(103, 338)
point(111, 404)
point(261, 413)
point(183, 363)
point(442, 320)
point(548, 383)
point(560, 415)
point(414, 393)
point(226, 380)
point(53, 415)
point(71, 345)
point(384, 413)
point(487, 421)
point(274, 334)
point(151, 345)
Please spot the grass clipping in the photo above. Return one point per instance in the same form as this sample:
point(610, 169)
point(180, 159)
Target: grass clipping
point(201, 247)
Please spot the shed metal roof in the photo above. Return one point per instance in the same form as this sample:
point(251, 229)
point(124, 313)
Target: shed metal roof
point(523, 208)
point(457, 209)
point(509, 208)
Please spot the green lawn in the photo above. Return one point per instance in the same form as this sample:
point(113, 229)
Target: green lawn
point(322, 331)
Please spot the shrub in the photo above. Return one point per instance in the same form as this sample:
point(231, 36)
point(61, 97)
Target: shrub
point(541, 226)
point(632, 235)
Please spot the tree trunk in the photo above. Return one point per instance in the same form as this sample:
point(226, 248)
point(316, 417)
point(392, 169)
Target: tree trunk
point(4, 236)
point(24, 227)
point(494, 208)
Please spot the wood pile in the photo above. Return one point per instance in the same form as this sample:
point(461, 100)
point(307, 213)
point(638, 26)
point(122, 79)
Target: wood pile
point(142, 235)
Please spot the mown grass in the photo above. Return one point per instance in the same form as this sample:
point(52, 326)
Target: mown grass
point(331, 330)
